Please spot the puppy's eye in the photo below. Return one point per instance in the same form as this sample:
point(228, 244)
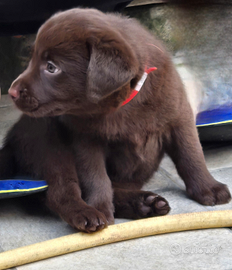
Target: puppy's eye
point(51, 67)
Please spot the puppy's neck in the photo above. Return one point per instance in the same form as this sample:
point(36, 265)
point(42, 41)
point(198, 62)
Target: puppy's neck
point(139, 85)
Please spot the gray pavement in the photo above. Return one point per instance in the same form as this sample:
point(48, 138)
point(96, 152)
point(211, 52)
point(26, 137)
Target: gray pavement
point(23, 221)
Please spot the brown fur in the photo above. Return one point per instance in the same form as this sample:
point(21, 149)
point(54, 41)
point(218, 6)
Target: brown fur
point(75, 134)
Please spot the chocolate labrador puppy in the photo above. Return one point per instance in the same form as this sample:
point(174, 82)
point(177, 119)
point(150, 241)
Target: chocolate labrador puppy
point(87, 133)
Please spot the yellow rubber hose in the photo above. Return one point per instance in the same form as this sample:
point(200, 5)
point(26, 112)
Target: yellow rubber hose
point(115, 233)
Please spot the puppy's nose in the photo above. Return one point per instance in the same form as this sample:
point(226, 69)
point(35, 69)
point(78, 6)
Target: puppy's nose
point(13, 92)
point(16, 91)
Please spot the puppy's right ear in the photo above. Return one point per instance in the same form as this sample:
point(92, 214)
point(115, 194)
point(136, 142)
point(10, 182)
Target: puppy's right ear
point(112, 65)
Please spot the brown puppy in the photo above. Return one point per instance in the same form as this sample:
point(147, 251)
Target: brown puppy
point(76, 134)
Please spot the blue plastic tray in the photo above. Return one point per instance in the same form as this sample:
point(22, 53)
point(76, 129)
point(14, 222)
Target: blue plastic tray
point(219, 116)
point(18, 187)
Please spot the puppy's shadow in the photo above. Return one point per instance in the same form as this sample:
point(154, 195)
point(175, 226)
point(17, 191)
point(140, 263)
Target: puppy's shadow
point(32, 205)
point(215, 145)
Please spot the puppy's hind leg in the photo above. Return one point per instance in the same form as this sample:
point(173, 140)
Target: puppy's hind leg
point(136, 204)
point(7, 163)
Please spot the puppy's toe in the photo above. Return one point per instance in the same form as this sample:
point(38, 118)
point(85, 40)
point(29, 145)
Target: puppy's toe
point(108, 210)
point(89, 220)
point(217, 193)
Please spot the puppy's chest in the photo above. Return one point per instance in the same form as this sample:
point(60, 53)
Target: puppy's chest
point(138, 134)
point(138, 139)
point(139, 143)
point(134, 127)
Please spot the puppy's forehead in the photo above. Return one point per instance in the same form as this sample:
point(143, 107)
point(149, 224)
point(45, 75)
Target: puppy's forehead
point(75, 25)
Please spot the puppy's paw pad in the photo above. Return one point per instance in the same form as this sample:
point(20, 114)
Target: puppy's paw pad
point(154, 205)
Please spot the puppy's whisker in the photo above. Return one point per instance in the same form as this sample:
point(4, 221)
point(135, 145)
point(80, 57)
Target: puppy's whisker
point(154, 46)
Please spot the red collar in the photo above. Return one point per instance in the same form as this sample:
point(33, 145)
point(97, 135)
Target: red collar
point(139, 85)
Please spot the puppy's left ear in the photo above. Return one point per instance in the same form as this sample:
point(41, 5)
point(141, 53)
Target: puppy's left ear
point(112, 65)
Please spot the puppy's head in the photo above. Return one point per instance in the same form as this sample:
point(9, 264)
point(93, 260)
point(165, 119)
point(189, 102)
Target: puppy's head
point(81, 64)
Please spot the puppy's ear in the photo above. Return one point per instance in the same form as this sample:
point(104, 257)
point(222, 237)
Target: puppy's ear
point(112, 65)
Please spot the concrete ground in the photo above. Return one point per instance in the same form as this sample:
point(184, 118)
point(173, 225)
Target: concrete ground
point(24, 222)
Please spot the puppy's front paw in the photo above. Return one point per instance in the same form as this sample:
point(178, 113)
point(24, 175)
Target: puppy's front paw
point(87, 220)
point(108, 210)
point(217, 193)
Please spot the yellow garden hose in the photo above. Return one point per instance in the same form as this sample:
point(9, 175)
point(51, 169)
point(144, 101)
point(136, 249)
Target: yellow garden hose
point(115, 233)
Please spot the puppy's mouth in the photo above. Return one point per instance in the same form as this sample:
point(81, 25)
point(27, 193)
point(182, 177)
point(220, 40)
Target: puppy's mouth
point(44, 111)
point(27, 105)
point(33, 108)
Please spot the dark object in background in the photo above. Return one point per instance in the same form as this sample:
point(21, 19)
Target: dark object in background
point(19, 17)
point(216, 124)
point(198, 2)
point(220, 133)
